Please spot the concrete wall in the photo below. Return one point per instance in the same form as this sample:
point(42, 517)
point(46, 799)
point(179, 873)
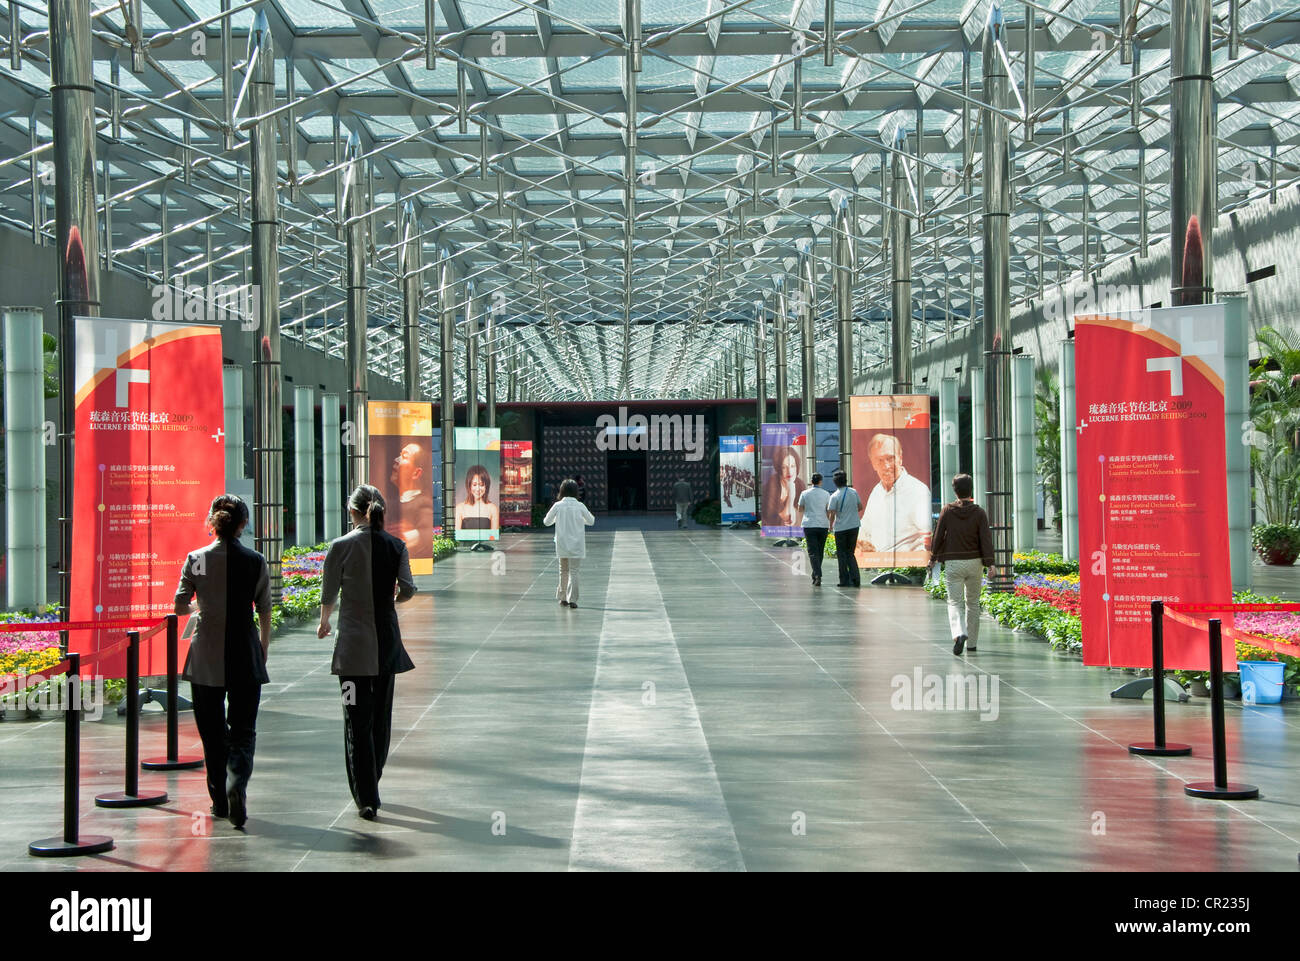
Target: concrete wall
point(29, 278)
point(1254, 237)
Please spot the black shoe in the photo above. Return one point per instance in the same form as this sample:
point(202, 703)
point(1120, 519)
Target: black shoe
point(970, 648)
point(221, 812)
point(368, 813)
point(238, 807)
point(817, 582)
point(958, 643)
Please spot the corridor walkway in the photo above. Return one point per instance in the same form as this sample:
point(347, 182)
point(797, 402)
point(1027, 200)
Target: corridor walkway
point(703, 708)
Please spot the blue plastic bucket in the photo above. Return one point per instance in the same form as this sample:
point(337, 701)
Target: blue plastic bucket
point(1261, 681)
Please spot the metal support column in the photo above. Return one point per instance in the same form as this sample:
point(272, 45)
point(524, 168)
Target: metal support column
point(447, 391)
point(807, 293)
point(978, 443)
point(412, 287)
point(781, 321)
point(900, 261)
point(76, 233)
point(997, 302)
point(354, 193)
point(472, 306)
point(760, 365)
point(1236, 356)
point(1192, 154)
point(490, 361)
point(844, 263)
point(268, 421)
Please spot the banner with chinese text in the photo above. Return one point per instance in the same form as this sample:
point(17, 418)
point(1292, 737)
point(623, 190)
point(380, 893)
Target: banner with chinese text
point(149, 458)
point(516, 483)
point(736, 467)
point(785, 477)
point(1153, 495)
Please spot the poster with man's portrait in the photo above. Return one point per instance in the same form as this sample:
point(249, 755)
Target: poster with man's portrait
point(403, 465)
point(890, 438)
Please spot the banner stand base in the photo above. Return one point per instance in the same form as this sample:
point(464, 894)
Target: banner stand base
point(483, 546)
point(121, 800)
point(1229, 792)
point(59, 848)
point(182, 763)
point(785, 542)
point(1135, 689)
point(889, 577)
point(155, 696)
point(1152, 749)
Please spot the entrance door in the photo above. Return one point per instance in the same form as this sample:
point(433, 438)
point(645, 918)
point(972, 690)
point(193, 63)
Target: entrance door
point(627, 480)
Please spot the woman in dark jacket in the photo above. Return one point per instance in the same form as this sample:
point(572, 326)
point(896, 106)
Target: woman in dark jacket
point(226, 664)
point(372, 569)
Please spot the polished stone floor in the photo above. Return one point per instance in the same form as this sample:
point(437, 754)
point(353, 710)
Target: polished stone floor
point(703, 708)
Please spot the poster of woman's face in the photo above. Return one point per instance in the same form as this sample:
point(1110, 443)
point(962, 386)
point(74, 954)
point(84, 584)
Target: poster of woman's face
point(785, 478)
point(478, 492)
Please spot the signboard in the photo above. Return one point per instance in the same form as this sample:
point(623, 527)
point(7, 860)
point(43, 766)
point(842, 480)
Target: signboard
point(1153, 492)
point(476, 499)
point(516, 483)
point(785, 477)
point(890, 437)
point(736, 467)
point(149, 458)
point(402, 467)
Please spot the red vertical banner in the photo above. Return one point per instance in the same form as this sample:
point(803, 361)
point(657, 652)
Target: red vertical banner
point(1153, 492)
point(516, 483)
point(149, 458)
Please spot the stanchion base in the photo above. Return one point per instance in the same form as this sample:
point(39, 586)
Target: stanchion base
point(889, 577)
point(59, 848)
point(186, 763)
point(1150, 748)
point(481, 546)
point(123, 800)
point(1230, 792)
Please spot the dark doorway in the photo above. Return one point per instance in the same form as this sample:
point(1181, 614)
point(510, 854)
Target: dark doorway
point(627, 480)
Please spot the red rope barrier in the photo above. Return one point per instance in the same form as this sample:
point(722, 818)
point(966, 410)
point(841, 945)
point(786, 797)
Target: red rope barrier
point(42, 626)
point(1173, 612)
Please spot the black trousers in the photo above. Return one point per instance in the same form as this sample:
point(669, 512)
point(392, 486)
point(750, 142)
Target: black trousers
point(816, 537)
point(845, 542)
point(367, 730)
point(227, 721)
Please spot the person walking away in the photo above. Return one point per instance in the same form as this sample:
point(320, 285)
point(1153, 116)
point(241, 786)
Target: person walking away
point(845, 514)
point(372, 570)
point(226, 664)
point(963, 543)
point(570, 518)
point(682, 495)
point(816, 524)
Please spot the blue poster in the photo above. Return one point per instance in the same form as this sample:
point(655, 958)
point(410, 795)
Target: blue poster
point(736, 466)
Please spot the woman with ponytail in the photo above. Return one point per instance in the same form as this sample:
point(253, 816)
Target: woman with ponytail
point(372, 570)
point(226, 664)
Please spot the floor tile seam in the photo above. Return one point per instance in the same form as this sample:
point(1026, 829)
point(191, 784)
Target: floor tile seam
point(851, 697)
point(642, 552)
point(1151, 761)
point(451, 681)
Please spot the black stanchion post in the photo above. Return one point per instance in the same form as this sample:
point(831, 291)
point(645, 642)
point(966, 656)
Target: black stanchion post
point(131, 797)
point(72, 842)
point(173, 761)
point(1158, 747)
point(1221, 788)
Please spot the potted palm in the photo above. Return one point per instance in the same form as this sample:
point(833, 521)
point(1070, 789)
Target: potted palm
point(1275, 446)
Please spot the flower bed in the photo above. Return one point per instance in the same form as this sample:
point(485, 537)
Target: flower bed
point(29, 652)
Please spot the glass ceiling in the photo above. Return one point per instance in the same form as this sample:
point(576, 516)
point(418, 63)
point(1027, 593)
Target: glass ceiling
point(613, 287)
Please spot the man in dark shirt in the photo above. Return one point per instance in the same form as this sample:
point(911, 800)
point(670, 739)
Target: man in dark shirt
point(682, 496)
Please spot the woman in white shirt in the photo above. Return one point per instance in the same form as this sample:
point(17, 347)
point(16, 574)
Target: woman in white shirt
point(570, 518)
